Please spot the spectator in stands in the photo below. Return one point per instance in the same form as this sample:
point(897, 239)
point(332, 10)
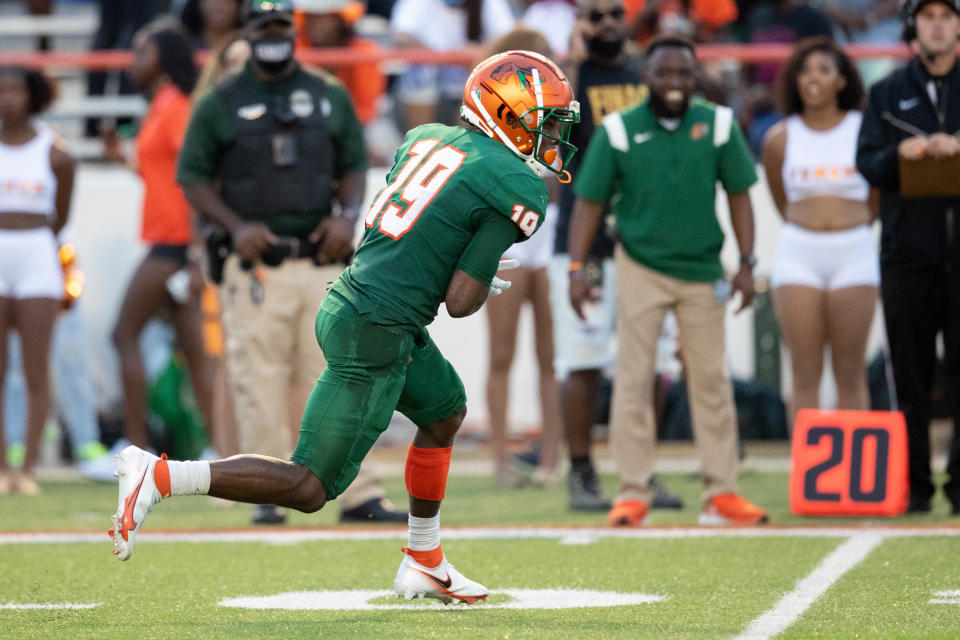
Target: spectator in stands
point(168, 278)
point(119, 21)
point(781, 22)
point(209, 22)
point(433, 93)
point(37, 178)
point(826, 270)
point(867, 22)
point(554, 20)
point(531, 284)
point(699, 19)
point(330, 23)
point(660, 161)
point(228, 58)
point(911, 118)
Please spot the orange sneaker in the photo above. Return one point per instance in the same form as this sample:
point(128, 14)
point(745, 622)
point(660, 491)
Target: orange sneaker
point(628, 513)
point(732, 509)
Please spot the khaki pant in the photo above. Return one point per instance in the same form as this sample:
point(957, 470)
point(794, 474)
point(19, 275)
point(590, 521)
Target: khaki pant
point(643, 298)
point(269, 343)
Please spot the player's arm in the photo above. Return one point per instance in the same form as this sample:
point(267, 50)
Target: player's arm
point(470, 284)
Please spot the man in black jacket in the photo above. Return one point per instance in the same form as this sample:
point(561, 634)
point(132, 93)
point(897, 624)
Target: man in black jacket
point(915, 113)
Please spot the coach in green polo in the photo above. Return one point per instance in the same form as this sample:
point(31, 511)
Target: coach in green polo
point(658, 164)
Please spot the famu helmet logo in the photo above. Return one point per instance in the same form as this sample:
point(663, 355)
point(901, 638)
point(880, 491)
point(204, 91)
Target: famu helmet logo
point(507, 70)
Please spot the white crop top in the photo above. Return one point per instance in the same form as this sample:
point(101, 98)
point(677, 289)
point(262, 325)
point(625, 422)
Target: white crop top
point(27, 182)
point(823, 163)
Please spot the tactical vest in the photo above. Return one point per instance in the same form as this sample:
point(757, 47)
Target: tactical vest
point(282, 160)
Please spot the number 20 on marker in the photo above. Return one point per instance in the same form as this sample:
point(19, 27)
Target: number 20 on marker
point(849, 463)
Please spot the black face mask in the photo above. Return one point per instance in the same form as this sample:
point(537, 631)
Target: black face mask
point(661, 110)
point(272, 53)
point(604, 48)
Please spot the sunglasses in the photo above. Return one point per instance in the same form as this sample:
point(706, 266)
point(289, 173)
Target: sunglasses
point(596, 16)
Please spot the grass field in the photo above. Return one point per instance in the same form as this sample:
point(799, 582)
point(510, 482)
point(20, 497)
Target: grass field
point(200, 571)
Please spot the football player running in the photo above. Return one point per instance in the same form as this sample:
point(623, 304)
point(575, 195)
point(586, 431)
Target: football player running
point(455, 200)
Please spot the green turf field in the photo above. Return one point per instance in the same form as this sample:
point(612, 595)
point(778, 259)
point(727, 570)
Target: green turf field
point(856, 579)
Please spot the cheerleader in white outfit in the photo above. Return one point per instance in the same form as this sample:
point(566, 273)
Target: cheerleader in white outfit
point(36, 183)
point(826, 270)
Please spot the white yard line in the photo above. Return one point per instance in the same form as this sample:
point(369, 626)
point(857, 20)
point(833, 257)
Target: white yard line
point(580, 535)
point(55, 605)
point(792, 605)
point(946, 597)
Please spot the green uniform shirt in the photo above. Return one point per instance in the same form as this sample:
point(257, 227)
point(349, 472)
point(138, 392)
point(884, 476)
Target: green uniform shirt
point(663, 184)
point(455, 199)
point(211, 131)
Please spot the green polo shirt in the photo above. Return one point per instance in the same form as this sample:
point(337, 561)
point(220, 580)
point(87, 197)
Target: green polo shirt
point(211, 131)
point(663, 184)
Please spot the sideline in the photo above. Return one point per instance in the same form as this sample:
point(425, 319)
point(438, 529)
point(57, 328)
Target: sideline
point(567, 535)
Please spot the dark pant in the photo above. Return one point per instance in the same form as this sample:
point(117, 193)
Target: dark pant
point(917, 306)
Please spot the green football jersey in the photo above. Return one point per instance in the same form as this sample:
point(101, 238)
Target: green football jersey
point(446, 183)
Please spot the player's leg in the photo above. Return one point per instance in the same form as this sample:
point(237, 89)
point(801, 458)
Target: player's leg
point(339, 426)
point(434, 399)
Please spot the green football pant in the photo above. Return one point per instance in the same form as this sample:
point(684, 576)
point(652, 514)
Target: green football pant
point(371, 371)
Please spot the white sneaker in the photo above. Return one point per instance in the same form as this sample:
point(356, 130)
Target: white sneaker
point(442, 582)
point(138, 494)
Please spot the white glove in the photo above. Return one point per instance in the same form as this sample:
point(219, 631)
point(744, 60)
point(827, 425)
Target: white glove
point(498, 286)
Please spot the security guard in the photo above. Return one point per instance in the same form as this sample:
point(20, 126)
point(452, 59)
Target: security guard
point(275, 156)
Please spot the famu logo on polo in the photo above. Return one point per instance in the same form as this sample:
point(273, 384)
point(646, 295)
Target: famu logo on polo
point(301, 103)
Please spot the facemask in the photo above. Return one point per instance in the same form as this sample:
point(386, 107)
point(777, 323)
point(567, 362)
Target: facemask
point(272, 54)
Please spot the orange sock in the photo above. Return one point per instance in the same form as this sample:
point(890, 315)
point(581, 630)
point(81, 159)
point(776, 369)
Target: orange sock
point(161, 476)
point(426, 472)
point(429, 559)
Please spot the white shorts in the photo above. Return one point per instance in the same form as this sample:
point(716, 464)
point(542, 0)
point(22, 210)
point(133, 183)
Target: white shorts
point(536, 251)
point(827, 260)
point(29, 265)
point(579, 344)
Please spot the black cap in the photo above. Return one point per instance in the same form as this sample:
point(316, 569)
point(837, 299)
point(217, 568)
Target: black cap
point(257, 10)
point(909, 8)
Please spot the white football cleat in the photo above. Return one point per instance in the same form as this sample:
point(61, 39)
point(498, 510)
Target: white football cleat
point(442, 582)
point(138, 494)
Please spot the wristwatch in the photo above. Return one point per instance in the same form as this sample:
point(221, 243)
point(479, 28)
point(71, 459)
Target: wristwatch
point(749, 260)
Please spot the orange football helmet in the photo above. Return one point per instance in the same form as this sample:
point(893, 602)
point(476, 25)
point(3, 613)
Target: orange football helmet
point(523, 99)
